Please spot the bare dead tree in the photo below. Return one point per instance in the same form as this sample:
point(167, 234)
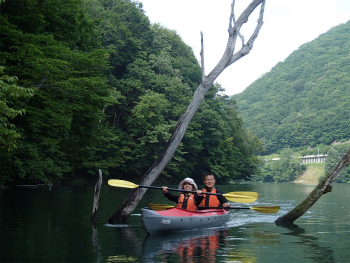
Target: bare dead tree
point(228, 58)
point(96, 197)
point(322, 188)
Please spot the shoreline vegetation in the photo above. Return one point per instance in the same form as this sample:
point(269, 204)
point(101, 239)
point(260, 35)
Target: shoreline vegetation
point(312, 174)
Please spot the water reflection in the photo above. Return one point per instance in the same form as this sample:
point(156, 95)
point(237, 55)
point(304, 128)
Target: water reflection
point(96, 244)
point(186, 246)
point(310, 244)
point(126, 244)
point(267, 243)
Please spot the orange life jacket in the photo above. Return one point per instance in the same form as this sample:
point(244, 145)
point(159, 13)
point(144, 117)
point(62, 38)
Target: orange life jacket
point(190, 203)
point(210, 200)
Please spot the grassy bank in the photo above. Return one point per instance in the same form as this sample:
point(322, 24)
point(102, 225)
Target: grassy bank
point(312, 174)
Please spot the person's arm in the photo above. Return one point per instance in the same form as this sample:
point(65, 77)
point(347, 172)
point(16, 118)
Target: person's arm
point(171, 197)
point(222, 199)
point(198, 197)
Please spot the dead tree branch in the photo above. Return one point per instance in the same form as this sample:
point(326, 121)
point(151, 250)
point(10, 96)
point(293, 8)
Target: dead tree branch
point(165, 156)
point(202, 57)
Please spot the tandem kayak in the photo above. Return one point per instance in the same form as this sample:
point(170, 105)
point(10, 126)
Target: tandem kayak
point(176, 219)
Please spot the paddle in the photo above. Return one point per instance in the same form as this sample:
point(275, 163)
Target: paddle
point(238, 197)
point(159, 207)
point(261, 209)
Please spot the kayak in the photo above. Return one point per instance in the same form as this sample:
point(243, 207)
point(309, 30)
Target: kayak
point(177, 219)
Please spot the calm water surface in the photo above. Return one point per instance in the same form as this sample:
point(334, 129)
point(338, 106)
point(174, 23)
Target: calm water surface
point(53, 225)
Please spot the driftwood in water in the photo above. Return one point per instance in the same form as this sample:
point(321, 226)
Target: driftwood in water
point(228, 58)
point(322, 188)
point(96, 197)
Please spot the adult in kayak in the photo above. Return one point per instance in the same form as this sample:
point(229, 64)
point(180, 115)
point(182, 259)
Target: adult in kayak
point(212, 200)
point(186, 200)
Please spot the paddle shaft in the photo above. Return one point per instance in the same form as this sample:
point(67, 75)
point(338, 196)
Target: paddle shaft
point(178, 190)
point(261, 209)
point(220, 207)
point(238, 197)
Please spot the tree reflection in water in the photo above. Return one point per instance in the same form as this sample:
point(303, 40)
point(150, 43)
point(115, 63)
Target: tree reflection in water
point(310, 244)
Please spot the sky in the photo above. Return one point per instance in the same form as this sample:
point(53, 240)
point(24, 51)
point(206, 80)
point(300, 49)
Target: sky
point(287, 25)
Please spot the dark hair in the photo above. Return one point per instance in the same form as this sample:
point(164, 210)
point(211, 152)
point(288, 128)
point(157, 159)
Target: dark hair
point(207, 174)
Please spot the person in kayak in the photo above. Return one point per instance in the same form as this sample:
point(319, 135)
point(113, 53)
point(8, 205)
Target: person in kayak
point(186, 200)
point(212, 200)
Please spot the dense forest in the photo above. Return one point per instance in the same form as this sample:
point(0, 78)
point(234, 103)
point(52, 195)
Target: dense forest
point(302, 106)
point(303, 101)
point(91, 84)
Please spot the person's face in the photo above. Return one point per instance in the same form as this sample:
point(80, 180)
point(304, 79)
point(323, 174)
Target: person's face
point(209, 181)
point(187, 186)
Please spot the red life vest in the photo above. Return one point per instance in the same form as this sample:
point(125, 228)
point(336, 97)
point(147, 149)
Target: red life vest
point(210, 200)
point(188, 204)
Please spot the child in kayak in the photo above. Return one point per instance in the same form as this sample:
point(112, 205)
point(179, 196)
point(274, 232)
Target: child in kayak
point(186, 200)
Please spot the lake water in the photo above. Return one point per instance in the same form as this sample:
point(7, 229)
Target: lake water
point(53, 225)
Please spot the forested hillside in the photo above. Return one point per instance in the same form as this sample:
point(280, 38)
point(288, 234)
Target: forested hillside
point(305, 100)
point(91, 84)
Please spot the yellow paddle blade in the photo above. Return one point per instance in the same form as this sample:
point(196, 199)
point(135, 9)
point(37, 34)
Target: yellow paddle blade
point(240, 198)
point(159, 207)
point(266, 209)
point(122, 183)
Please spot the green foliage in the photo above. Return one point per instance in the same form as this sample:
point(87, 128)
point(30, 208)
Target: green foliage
point(303, 101)
point(286, 169)
point(226, 148)
point(273, 170)
point(109, 88)
point(333, 157)
point(10, 97)
point(70, 94)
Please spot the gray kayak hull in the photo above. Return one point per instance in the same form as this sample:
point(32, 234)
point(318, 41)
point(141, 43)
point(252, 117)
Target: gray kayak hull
point(176, 219)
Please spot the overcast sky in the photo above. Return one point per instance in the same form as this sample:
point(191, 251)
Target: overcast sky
point(287, 25)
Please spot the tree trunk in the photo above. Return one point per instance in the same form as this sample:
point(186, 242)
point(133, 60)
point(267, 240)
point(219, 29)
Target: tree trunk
point(227, 59)
point(322, 188)
point(96, 197)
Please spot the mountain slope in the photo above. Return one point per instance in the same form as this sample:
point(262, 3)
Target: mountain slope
point(305, 100)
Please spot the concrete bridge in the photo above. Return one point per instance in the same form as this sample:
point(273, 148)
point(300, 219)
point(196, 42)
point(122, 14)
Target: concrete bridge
point(319, 158)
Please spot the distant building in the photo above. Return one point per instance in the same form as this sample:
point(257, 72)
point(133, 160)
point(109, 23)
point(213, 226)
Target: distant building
point(320, 158)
